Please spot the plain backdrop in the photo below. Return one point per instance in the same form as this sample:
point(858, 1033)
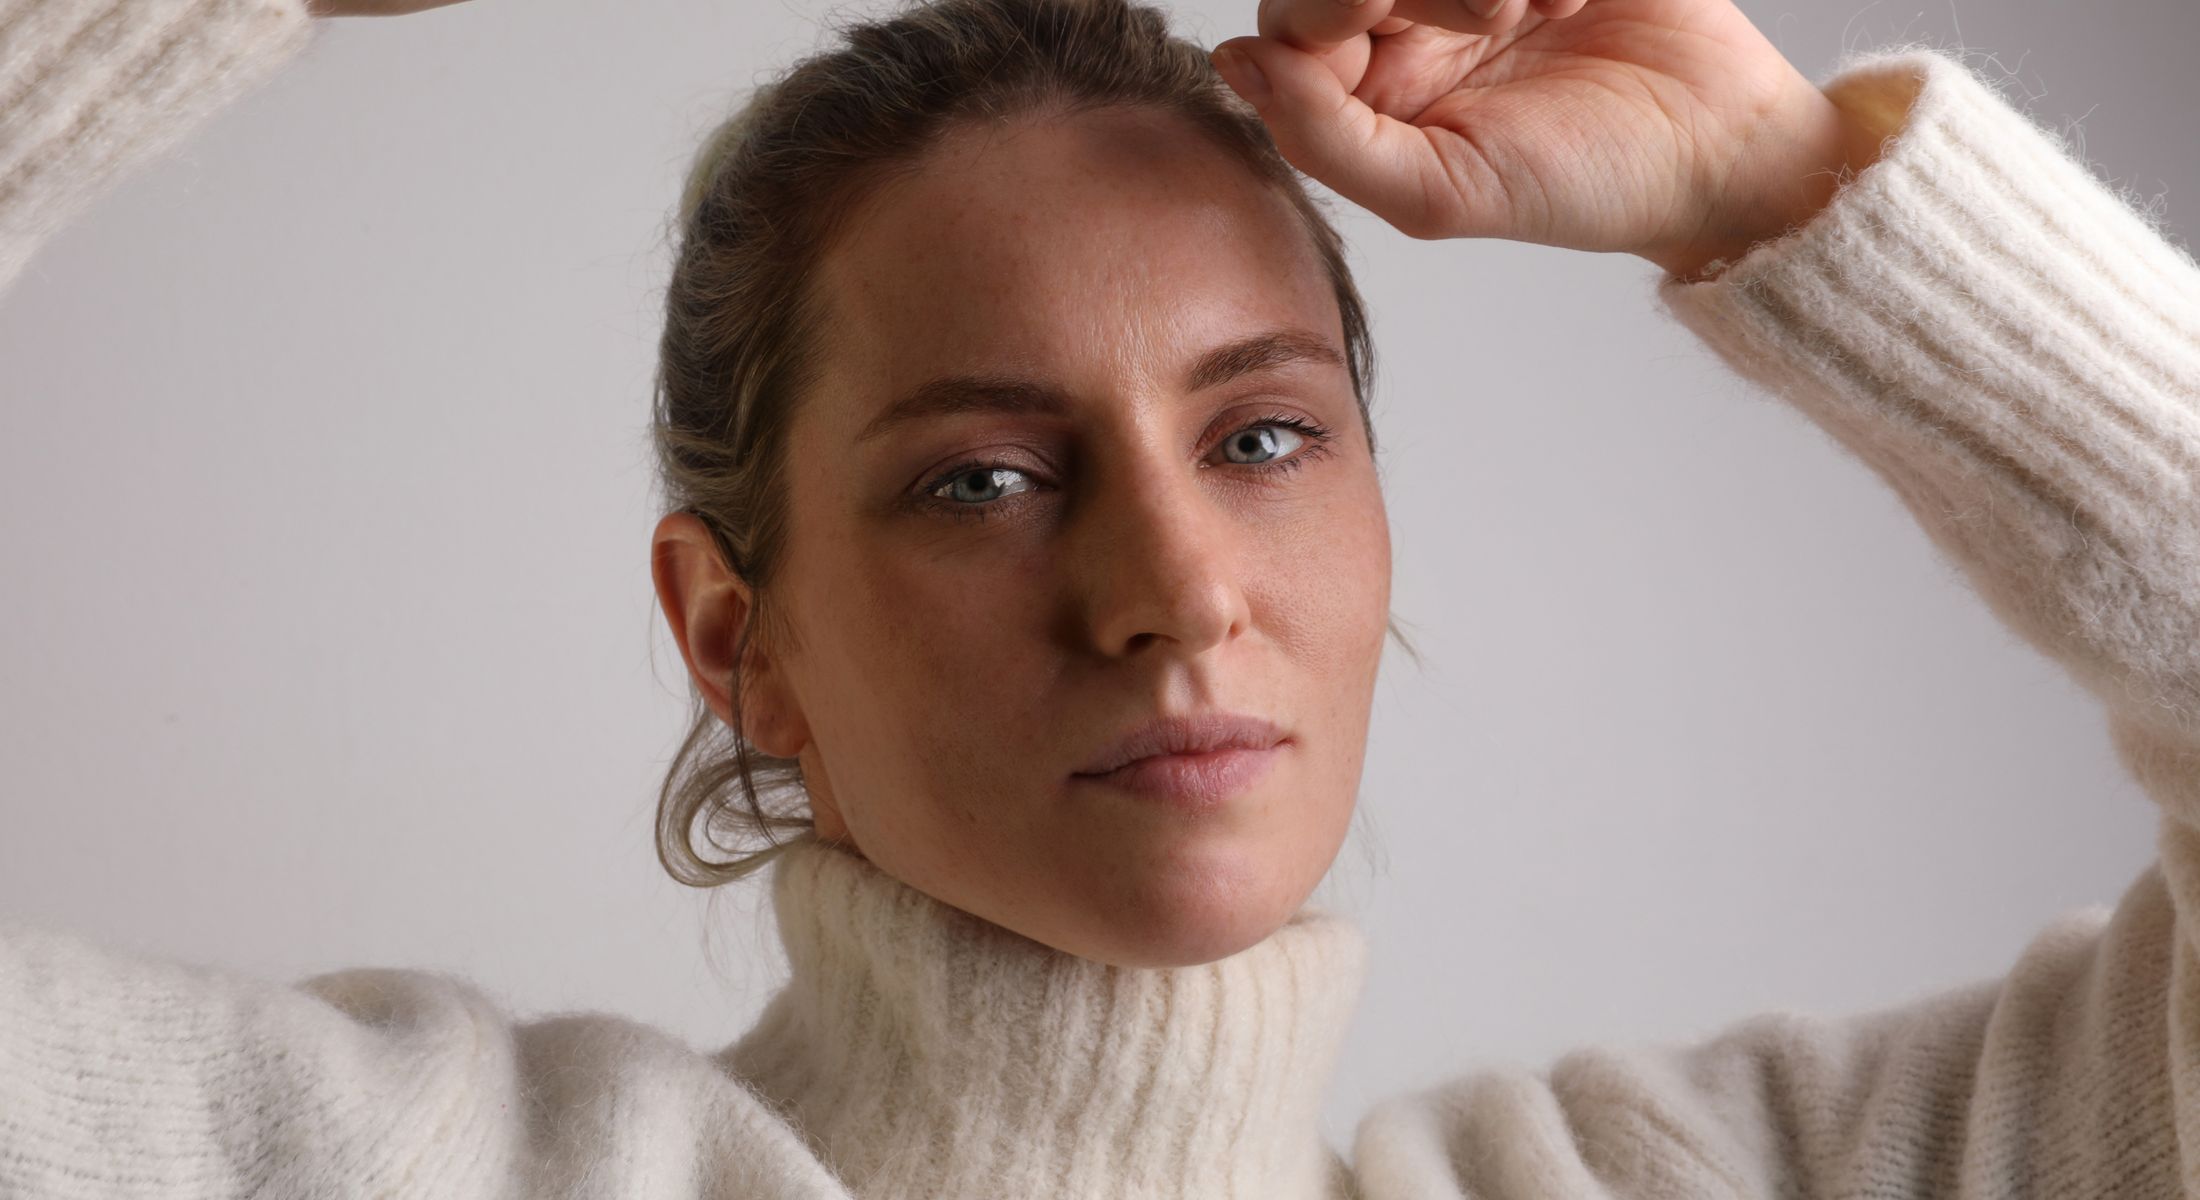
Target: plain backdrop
point(328, 637)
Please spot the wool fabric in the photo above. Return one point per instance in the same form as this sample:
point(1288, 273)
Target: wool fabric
point(2006, 340)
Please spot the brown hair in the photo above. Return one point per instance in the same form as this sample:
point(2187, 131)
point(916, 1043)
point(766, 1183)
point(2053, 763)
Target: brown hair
point(763, 199)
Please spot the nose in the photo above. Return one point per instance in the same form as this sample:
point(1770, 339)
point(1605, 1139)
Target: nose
point(1158, 561)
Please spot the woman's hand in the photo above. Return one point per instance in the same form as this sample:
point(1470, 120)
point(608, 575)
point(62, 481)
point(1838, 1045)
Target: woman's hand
point(1668, 129)
point(371, 8)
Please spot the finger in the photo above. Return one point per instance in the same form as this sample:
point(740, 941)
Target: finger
point(1318, 24)
point(1558, 8)
point(1412, 69)
point(1462, 16)
point(1380, 163)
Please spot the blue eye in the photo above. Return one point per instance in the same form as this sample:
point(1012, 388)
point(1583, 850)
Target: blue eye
point(981, 485)
point(1257, 444)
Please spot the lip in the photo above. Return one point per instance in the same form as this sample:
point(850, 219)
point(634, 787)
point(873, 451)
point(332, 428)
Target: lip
point(1197, 759)
point(1192, 781)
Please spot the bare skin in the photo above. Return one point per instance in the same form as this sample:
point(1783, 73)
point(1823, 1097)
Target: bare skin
point(1667, 129)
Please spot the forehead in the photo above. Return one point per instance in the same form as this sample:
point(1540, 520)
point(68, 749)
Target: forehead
point(1104, 249)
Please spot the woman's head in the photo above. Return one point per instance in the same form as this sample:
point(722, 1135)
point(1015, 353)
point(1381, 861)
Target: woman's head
point(1012, 397)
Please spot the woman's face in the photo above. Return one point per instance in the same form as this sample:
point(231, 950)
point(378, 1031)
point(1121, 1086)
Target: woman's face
point(1083, 454)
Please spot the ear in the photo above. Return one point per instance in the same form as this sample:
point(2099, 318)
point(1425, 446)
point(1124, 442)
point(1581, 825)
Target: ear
point(706, 605)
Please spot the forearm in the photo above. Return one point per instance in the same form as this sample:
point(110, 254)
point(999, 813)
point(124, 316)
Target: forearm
point(90, 90)
point(1797, 166)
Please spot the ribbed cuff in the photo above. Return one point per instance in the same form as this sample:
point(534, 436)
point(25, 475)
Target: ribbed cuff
point(90, 87)
point(2015, 349)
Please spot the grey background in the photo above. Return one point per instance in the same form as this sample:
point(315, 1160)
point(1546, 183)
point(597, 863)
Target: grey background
point(328, 637)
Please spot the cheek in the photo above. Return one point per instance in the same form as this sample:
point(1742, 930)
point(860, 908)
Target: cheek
point(924, 667)
point(1326, 589)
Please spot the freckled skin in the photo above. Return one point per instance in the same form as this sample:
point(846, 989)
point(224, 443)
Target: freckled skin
point(946, 676)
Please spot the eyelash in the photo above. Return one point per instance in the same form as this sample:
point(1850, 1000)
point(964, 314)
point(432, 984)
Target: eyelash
point(1317, 436)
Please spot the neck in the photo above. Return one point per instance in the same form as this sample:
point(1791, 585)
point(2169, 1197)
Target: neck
point(926, 1052)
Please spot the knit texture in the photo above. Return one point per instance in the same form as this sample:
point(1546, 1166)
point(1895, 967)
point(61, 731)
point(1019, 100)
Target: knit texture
point(930, 1053)
point(1994, 331)
point(90, 87)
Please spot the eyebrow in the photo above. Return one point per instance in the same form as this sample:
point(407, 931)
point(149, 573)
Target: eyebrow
point(949, 395)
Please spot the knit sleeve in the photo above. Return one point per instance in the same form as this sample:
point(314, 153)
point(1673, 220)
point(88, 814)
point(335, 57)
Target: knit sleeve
point(88, 88)
point(2015, 349)
point(126, 1076)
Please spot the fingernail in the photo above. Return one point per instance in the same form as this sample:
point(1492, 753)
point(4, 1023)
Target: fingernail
point(1352, 3)
point(1486, 9)
point(1242, 74)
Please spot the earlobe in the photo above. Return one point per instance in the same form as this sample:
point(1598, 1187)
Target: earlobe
point(706, 605)
point(775, 723)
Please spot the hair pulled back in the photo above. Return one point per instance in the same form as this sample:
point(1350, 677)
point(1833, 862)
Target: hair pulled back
point(762, 201)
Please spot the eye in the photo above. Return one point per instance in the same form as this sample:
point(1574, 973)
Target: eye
point(981, 485)
point(1276, 442)
point(1257, 444)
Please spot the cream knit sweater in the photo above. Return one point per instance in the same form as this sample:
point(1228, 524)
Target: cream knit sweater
point(2005, 341)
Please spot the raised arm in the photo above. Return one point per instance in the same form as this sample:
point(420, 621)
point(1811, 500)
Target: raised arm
point(129, 1076)
point(2016, 351)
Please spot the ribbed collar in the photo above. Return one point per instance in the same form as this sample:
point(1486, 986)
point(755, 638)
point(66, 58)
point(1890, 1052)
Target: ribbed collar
point(928, 1053)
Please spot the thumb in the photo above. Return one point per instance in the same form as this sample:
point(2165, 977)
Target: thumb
point(1378, 162)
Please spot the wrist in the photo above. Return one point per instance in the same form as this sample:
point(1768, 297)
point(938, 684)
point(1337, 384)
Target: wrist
point(1794, 179)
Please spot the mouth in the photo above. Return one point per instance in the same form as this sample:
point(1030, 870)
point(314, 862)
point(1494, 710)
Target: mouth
point(1194, 781)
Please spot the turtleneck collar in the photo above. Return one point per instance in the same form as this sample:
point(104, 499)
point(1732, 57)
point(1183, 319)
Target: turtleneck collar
point(925, 1052)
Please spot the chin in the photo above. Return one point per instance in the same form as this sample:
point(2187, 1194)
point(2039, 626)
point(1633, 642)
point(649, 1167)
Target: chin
point(1182, 918)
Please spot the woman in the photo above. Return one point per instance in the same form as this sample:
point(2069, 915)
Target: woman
point(1006, 364)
